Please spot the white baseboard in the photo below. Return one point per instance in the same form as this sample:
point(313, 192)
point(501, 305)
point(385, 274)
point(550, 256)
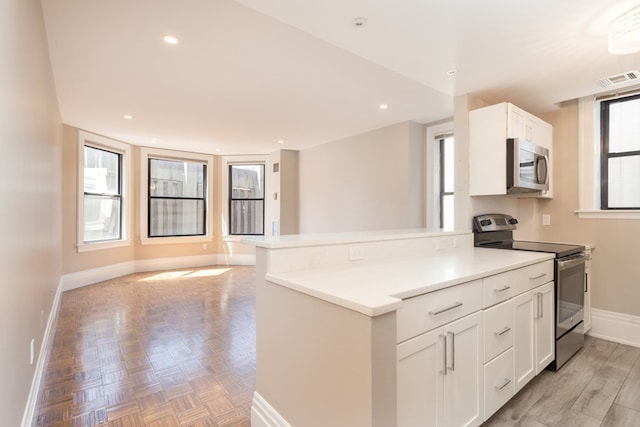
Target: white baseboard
point(616, 327)
point(47, 340)
point(95, 275)
point(144, 265)
point(264, 415)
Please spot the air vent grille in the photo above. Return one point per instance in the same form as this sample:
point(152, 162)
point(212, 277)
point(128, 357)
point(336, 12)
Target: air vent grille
point(620, 78)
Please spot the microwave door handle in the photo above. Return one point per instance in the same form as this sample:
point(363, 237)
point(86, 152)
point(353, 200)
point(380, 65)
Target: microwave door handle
point(542, 176)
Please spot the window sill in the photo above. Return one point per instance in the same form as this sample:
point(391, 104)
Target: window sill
point(88, 247)
point(608, 214)
point(174, 240)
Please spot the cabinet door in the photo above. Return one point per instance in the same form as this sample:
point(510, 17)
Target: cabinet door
point(420, 380)
point(545, 326)
point(516, 122)
point(463, 384)
point(524, 309)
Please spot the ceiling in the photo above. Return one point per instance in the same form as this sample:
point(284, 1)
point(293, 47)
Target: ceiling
point(255, 76)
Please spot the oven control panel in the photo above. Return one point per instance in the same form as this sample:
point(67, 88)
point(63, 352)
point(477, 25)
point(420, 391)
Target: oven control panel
point(494, 222)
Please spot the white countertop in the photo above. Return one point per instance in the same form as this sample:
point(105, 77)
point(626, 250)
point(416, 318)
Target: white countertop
point(377, 288)
point(301, 240)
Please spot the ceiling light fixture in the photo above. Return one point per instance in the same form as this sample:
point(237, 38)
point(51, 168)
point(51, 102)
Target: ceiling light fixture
point(452, 72)
point(170, 40)
point(624, 33)
point(127, 117)
point(383, 106)
point(280, 141)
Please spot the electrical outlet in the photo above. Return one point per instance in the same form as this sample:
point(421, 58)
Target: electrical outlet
point(204, 246)
point(546, 219)
point(355, 252)
point(439, 244)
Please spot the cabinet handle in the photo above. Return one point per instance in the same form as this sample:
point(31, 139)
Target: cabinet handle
point(506, 383)
point(586, 282)
point(444, 310)
point(504, 288)
point(444, 359)
point(540, 295)
point(453, 350)
point(504, 331)
point(539, 276)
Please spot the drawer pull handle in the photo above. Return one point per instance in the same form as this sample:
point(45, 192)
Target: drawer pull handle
point(539, 276)
point(504, 331)
point(506, 383)
point(453, 350)
point(444, 310)
point(504, 288)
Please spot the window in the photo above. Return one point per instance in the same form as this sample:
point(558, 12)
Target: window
point(102, 195)
point(620, 154)
point(177, 198)
point(440, 160)
point(246, 199)
point(103, 189)
point(446, 181)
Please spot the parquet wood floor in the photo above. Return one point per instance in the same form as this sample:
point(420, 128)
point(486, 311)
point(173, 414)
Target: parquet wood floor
point(172, 348)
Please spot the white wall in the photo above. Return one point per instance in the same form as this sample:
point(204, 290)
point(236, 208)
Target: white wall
point(30, 135)
point(371, 181)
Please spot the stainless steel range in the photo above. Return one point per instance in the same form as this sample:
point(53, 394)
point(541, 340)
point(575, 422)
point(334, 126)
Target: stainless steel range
point(496, 231)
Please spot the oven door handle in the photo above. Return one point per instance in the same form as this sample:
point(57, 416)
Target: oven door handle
point(579, 259)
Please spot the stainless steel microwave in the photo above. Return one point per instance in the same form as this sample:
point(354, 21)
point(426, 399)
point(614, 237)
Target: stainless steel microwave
point(527, 167)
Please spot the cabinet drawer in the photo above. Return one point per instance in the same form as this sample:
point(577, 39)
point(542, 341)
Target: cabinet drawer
point(497, 288)
point(498, 329)
point(531, 276)
point(498, 383)
point(425, 312)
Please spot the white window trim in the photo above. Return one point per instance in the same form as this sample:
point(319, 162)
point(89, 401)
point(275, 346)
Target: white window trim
point(224, 199)
point(86, 138)
point(157, 153)
point(432, 177)
point(589, 167)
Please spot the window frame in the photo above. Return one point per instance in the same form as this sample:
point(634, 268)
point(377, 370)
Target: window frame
point(589, 162)
point(231, 199)
point(226, 161)
point(151, 197)
point(125, 174)
point(606, 154)
point(433, 175)
point(147, 153)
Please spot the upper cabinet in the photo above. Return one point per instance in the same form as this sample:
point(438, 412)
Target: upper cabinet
point(489, 128)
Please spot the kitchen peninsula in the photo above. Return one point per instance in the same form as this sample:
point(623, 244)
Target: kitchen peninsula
point(340, 317)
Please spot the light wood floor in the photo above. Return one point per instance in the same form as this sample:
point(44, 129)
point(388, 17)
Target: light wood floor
point(599, 386)
point(174, 348)
point(177, 348)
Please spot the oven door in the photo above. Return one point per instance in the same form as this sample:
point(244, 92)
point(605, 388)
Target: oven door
point(569, 293)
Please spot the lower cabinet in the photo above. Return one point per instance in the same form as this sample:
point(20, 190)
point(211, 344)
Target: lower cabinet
point(440, 376)
point(534, 342)
point(458, 371)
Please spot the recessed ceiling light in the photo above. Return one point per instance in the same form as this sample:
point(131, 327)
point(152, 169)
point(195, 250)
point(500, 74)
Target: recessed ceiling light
point(170, 40)
point(383, 106)
point(280, 141)
point(128, 116)
point(359, 22)
point(452, 72)
point(217, 150)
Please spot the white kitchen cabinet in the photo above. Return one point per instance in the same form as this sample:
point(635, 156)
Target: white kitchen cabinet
point(534, 340)
point(489, 128)
point(440, 376)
